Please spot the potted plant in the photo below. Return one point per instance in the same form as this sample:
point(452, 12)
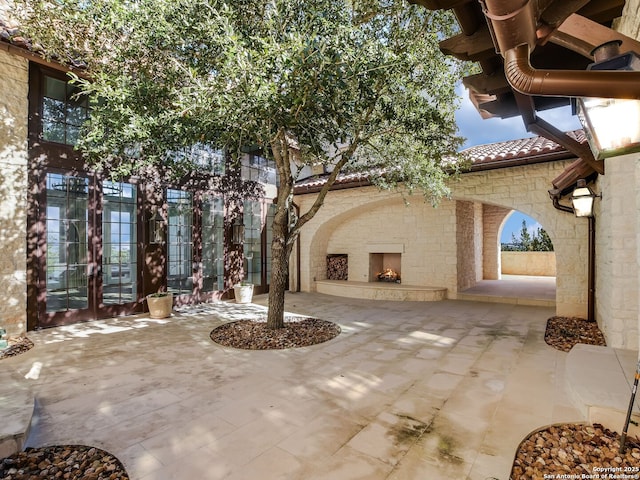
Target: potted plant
point(243, 292)
point(160, 304)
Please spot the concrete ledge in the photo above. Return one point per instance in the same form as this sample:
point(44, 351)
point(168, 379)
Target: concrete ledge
point(381, 291)
point(18, 404)
point(599, 382)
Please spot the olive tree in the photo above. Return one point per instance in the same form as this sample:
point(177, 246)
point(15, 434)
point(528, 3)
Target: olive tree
point(352, 85)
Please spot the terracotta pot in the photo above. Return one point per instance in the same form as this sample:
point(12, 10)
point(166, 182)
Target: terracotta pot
point(160, 306)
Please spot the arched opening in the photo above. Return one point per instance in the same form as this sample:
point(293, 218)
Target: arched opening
point(515, 269)
point(525, 247)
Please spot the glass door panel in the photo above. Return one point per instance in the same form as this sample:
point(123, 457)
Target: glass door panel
point(180, 242)
point(271, 211)
point(253, 242)
point(119, 243)
point(213, 245)
point(67, 243)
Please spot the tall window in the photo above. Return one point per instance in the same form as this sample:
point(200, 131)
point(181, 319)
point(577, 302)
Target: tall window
point(253, 242)
point(67, 242)
point(213, 244)
point(180, 242)
point(63, 111)
point(259, 169)
point(119, 262)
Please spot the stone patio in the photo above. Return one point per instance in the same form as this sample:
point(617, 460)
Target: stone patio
point(408, 390)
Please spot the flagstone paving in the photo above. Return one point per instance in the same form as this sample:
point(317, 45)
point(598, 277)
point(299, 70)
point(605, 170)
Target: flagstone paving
point(408, 390)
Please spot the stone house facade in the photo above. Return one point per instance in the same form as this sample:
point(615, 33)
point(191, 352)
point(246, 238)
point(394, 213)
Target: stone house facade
point(453, 246)
point(14, 87)
point(75, 246)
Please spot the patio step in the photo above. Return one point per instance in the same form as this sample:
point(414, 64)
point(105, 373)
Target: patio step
point(599, 381)
point(381, 291)
point(499, 298)
point(18, 405)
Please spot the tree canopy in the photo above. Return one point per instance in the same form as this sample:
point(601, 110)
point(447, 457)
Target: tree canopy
point(529, 241)
point(334, 78)
point(350, 84)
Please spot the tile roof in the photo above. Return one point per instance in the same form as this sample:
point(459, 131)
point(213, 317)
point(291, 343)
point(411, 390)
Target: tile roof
point(9, 29)
point(483, 157)
point(524, 148)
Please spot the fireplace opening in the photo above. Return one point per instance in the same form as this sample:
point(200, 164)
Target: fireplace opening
point(338, 267)
point(385, 267)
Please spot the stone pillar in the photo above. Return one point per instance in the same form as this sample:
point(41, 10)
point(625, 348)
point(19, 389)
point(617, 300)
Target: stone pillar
point(617, 252)
point(493, 219)
point(13, 191)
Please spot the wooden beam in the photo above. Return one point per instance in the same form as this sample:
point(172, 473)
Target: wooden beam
point(488, 84)
point(581, 35)
point(581, 150)
point(471, 48)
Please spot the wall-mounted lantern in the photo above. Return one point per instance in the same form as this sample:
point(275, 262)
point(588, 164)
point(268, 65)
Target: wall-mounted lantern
point(582, 199)
point(156, 228)
point(612, 125)
point(237, 232)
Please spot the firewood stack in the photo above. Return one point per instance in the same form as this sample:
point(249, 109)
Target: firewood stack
point(337, 267)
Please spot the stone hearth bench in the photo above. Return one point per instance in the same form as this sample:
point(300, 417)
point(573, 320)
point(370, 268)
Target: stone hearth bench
point(381, 291)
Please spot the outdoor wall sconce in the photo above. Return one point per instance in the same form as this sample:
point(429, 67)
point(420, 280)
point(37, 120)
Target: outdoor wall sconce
point(237, 232)
point(156, 228)
point(611, 125)
point(582, 199)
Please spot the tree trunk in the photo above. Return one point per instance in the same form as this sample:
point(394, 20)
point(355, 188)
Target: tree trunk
point(279, 268)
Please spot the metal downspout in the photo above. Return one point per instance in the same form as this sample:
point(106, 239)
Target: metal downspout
point(591, 277)
point(591, 249)
point(567, 83)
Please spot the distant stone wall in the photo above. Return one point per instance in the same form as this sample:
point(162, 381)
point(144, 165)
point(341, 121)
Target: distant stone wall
point(13, 191)
point(529, 263)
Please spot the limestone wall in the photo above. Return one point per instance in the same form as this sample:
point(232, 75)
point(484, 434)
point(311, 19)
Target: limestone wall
point(468, 243)
point(526, 189)
point(529, 263)
point(425, 236)
point(493, 220)
point(13, 191)
point(616, 216)
point(353, 219)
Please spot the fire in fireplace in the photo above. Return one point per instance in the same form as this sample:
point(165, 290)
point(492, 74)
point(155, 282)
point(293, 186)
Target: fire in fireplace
point(385, 267)
point(389, 275)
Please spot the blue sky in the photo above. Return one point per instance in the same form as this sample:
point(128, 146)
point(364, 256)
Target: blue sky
point(479, 132)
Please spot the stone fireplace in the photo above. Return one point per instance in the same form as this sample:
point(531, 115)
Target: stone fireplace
point(385, 267)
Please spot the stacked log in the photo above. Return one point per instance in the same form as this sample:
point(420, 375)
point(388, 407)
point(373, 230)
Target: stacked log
point(337, 267)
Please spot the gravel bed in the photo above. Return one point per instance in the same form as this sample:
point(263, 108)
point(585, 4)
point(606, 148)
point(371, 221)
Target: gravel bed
point(16, 346)
point(71, 462)
point(254, 334)
point(576, 451)
point(564, 332)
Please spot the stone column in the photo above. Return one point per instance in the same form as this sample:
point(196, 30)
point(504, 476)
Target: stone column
point(13, 191)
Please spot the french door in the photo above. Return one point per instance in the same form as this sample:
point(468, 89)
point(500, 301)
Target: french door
point(89, 268)
point(258, 234)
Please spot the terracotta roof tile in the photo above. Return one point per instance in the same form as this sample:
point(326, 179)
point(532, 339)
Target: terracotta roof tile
point(518, 149)
point(491, 155)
